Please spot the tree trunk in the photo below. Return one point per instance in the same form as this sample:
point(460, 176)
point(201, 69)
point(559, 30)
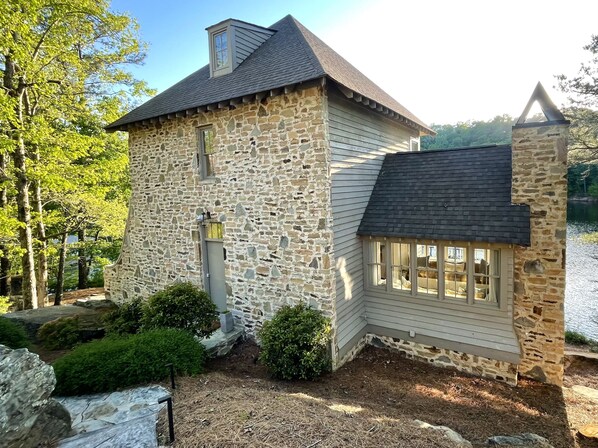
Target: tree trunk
point(4, 260)
point(42, 255)
point(24, 217)
point(60, 274)
point(82, 262)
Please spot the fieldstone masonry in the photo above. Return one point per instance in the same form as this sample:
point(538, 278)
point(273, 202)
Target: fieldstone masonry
point(540, 180)
point(271, 191)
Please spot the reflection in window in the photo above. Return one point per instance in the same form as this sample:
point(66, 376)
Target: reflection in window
point(206, 152)
point(455, 274)
point(220, 50)
point(427, 269)
point(377, 263)
point(487, 275)
point(401, 270)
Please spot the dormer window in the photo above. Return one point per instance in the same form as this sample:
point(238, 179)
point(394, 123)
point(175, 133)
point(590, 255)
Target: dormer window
point(220, 50)
point(231, 42)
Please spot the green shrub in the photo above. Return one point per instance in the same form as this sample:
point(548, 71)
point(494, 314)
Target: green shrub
point(295, 343)
point(117, 362)
point(182, 306)
point(5, 304)
point(59, 334)
point(12, 334)
point(575, 338)
point(126, 319)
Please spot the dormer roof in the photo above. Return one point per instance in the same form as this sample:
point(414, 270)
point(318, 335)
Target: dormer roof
point(292, 55)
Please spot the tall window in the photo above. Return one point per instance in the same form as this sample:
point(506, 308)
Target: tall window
point(487, 275)
point(220, 50)
point(455, 274)
point(427, 269)
point(206, 152)
point(401, 270)
point(377, 263)
point(214, 230)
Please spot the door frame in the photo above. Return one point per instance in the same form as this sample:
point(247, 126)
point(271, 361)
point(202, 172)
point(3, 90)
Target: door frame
point(205, 271)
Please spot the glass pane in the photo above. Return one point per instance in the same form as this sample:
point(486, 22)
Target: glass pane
point(209, 165)
point(427, 269)
point(455, 272)
point(221, 49)
point(215, 230)
point(207, 136)
point(487, 275)
point(377, 254)
point(401, 270)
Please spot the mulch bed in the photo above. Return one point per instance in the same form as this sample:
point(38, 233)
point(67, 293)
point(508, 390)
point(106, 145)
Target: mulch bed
point(370, 402)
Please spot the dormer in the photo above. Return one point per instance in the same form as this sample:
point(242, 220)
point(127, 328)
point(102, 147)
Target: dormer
point(231, 42)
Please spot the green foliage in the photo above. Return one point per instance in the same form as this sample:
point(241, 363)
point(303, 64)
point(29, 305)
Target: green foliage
point(12, 334)
point(573, 337)
point(126, 319)
point(113, 363)
point(59, 334)
point(294, 344)
point(593, 190)
point(471, 133)
point(183, 306)
point(5, 304)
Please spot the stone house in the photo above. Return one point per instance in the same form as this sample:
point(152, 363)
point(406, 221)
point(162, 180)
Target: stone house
point(279, 173)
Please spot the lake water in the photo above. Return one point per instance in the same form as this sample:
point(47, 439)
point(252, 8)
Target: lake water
point(581, 297)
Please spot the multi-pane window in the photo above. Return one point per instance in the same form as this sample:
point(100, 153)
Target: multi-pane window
point(427, 269)
point(444, 271)
point(220, 50)
point(214, 230)
point(377, 263)
point(455, 273)
point(206, 152)
point(487, 275)
point(400, 267)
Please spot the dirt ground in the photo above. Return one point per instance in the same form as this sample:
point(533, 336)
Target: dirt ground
point(372, 402)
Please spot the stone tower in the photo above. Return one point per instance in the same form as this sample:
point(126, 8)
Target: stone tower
point(539, 157)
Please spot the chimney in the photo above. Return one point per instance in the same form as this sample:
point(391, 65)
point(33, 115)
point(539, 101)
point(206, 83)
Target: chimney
point(539, 179)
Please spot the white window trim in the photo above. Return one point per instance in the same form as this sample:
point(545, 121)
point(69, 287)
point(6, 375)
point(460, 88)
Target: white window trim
point(416, 296)
point(414, 141)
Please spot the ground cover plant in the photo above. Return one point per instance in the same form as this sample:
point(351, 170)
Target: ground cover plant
point(12, 334)
point(121, 361)
point(575, 338)
point(295, 343)
point(59, 334)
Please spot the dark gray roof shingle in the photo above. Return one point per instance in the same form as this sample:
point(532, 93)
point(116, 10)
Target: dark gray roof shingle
point(458, 194)
point(292, 55)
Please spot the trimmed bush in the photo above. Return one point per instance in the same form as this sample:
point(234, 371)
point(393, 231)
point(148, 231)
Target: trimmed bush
point(59, 334)
point(295, 343)
point(118, 362)
point(12, 334)
point(575, 338)
point(183, 306)
point(126, 319)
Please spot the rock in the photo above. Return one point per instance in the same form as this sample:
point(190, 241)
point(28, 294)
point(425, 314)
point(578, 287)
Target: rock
point(526, 440)
point(450, 434)
point(587, 392)
point(28, 416)
point(96, 303)
point(220, 344)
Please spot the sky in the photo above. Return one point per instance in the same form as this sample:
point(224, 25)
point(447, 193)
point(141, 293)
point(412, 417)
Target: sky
point(445, 61)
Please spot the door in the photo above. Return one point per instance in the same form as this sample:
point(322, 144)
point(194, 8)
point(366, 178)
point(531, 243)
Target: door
point(216, 256)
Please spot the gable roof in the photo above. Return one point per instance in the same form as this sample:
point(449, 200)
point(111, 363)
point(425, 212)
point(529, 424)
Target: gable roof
point(551, 112)
point(456, 195)
point(292, 55)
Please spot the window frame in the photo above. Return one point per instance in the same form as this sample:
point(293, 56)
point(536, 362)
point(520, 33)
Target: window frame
point(414, 141)
point(228, 67)
point(202, 156)
point(505, 266)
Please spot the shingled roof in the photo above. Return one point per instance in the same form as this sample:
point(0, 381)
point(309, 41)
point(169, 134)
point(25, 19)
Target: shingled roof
point(292, 55)
point(456, 194)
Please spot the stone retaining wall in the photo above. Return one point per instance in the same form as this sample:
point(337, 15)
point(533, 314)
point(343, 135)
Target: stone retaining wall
point(271, 190)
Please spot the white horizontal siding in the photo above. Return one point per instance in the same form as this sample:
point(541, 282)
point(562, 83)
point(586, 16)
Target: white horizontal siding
point(359, 140)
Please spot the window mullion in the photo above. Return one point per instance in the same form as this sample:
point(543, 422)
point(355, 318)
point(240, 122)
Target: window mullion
point(413, 264)
point(470, 259)
point(388, 263)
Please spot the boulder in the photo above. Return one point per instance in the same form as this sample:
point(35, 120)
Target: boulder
point(526, 440)
point(449, 433)
point(28, 416)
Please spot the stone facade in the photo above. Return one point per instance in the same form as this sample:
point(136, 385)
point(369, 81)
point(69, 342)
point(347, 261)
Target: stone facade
point(540, 180)
point(271, 191)
point(441, 357)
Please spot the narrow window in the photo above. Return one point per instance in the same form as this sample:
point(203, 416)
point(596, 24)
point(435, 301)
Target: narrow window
point(206, 152)
point(487, 275)
point(377, 263)
point(401, 270)
point(414, 144)
point(427, 269)
point(220, 50)
point(455, 272)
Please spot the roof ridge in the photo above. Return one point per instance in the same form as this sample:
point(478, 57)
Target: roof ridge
point(465, 148)
point(309, 51)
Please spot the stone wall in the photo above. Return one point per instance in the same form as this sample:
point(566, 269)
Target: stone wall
point(442, 357)
point(271, 190)
point(540, 180)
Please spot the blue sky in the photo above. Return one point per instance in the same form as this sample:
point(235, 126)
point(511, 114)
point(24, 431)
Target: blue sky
point(446, 61)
